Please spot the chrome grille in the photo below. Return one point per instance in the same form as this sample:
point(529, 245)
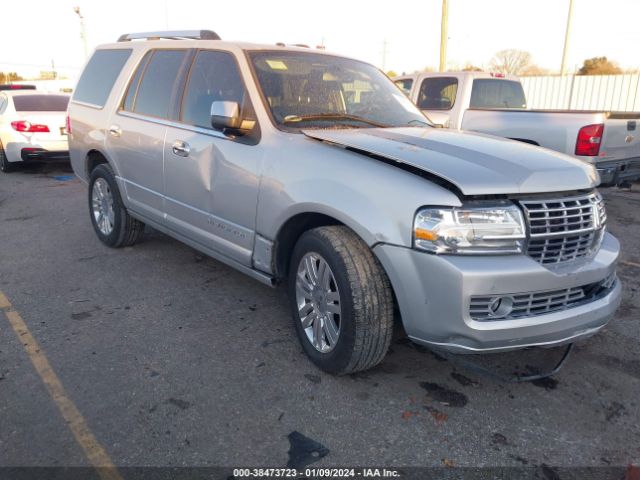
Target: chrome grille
point(531, 304)
point(564, 229)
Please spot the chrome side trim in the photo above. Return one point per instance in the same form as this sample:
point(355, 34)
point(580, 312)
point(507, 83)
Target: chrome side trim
point(236, 236)
point(256, 275)
point(85, 104)
point(168, 123)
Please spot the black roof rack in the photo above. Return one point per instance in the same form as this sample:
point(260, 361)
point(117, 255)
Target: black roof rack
point(171, 35)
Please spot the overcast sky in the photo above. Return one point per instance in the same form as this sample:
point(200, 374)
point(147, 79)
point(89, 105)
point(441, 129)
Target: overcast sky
point(35, 32)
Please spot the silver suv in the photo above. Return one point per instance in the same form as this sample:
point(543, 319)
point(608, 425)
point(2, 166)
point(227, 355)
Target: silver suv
point(298, 166)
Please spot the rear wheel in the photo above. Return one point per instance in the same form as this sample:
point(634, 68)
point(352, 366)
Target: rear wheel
point(341, 300)
point(5, 165)
point(111, 221)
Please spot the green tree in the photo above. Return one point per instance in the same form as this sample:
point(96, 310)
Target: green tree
point(472, 68)
point(599, 66)
point(391, 74)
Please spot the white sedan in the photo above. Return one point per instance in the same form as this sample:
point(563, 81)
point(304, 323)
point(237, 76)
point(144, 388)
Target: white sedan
point(32, 127)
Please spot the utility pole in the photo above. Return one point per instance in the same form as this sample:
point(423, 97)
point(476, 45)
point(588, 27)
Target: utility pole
point(53, 70)
point(563, 67)
point(443, 35)
point(83, 32)
point(385, 44)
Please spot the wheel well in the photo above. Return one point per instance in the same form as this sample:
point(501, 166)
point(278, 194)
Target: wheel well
point(526, 140)
point(94, 158)
point(289, 234)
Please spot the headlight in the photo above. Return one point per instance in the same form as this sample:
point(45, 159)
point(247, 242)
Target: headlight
point(475, 228)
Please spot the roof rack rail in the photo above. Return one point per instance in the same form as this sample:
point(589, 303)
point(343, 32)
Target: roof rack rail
point(299, 45)
point(171, 35)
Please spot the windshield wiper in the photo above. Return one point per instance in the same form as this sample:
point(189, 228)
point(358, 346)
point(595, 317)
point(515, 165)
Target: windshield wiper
point(332, 116)
point(416, 121)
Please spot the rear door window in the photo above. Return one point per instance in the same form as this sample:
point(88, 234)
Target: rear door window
point(495, 93)
point(156, 91)
point(40, 103)
point(132, 90)
point(438, 93)
point(99, 75)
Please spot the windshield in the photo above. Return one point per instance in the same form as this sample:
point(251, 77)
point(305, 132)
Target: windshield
point(307, 90)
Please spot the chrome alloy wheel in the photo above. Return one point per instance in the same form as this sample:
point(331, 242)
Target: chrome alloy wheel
point(102, 206)
point(318, 302)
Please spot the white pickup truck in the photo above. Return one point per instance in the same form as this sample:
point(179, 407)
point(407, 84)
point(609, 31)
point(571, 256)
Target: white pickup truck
point(496, 104)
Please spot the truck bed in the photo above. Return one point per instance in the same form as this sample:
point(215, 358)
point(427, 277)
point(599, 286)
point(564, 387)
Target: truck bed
point(612, 115)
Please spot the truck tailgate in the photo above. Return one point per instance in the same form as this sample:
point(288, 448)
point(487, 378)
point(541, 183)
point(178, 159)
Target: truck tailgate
point(621, 138)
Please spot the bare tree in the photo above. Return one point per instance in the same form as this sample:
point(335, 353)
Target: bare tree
point(511, 61)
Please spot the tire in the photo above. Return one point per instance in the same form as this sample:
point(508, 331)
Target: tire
point(5, 165)
point(115, 228)
point(364, 299)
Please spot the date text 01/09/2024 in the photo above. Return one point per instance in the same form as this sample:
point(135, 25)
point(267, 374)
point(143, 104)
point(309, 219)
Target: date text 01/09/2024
point(312, 473)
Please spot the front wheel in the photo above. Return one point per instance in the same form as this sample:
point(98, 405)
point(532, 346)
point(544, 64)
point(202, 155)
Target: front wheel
point(341, 300)
point(111, 221)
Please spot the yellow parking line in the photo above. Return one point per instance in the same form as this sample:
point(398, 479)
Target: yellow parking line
point(95, 453)
point(4, 301)
point(631, 264)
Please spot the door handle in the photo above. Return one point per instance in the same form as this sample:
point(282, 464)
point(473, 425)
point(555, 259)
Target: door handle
point(181, 148)
point(115, 130)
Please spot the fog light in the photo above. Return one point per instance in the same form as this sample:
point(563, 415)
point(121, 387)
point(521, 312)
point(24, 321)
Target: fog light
point(501, 306)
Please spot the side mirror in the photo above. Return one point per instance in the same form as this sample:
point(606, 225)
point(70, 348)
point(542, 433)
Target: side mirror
point(225, 115)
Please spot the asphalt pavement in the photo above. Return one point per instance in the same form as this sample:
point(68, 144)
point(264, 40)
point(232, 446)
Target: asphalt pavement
point(174, 359)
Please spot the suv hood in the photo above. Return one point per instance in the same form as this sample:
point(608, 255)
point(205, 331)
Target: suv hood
point(476, 164)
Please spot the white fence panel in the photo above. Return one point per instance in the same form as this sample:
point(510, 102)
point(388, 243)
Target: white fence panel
point(620, 93)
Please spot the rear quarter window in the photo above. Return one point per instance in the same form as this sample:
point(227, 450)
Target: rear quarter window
point(495, 93)
point(405, 85)
point(438, 93)
point(99, 75)
point(40, 103)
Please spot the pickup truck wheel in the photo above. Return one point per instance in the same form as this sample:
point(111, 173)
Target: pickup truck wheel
point(111, 221)
point(5, 165)
point(341, 300)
